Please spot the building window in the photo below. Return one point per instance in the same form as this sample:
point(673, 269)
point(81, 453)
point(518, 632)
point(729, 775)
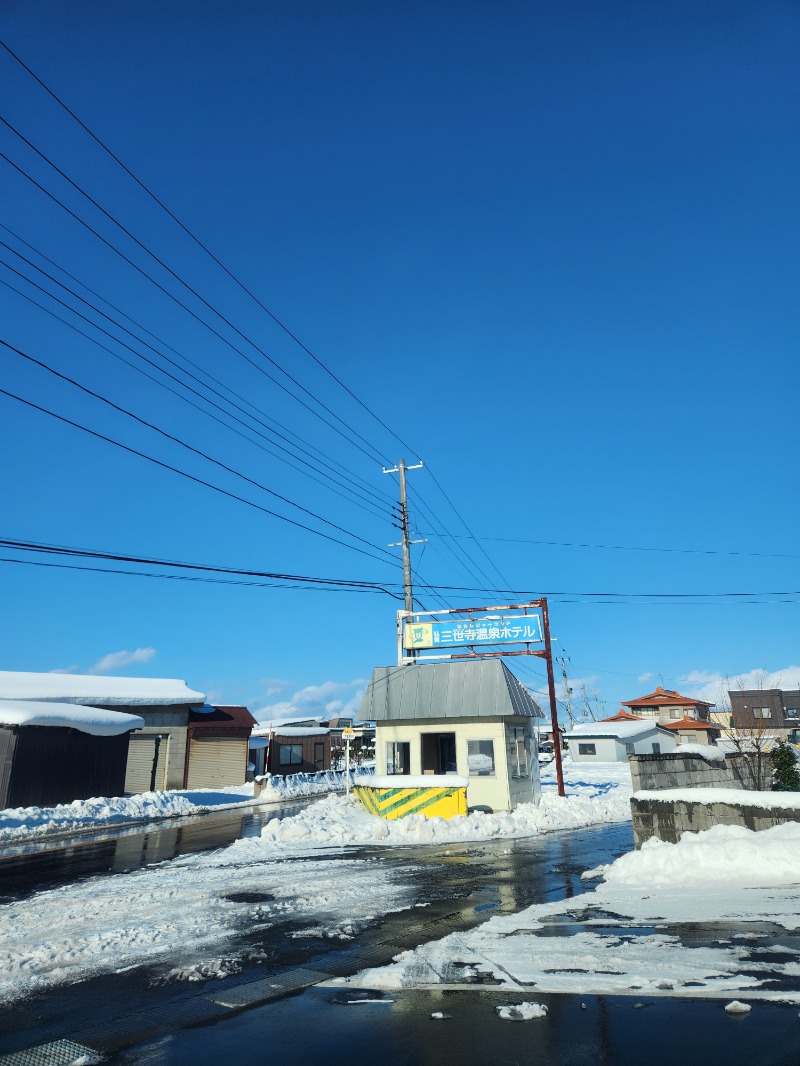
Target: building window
point(656, 748)
point(398, 757)
point(480, 758)
point(587, 749)
point(762, 712)
point(675, 712)
point(629, 750)
point(290, 754)
point(518, 753)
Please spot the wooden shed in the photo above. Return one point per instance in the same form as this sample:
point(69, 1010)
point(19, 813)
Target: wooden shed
point(157, 751)
point(53, 753)
point(217, 746)
point(298, 750)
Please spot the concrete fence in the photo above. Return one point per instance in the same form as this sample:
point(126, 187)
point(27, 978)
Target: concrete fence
point(676, 770)
point(667, 817)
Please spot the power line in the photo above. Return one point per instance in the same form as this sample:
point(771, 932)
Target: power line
point(188, 447)
point(329, 477)
point(621, 547)
point(200, 244)
point(348, 436)
point(37, 547)
point(190, 477)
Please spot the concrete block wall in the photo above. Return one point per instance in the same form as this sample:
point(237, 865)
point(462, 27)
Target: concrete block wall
point(667, 819)
point(676, 770)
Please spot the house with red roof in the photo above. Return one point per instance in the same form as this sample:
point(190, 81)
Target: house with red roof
point(690, 731)
point(666, 705)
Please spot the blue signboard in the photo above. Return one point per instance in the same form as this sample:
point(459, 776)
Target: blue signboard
point(512, 629)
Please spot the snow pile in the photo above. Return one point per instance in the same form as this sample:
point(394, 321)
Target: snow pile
point(297, 785)
point(725, 853)
point(736, 796)
point(32, 823)
point(522, 1012)
point(602, 942)
point(341, 821)
point(92, 720)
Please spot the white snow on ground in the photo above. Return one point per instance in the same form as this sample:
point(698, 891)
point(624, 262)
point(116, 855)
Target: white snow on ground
point(603, 795)
point(726, 874)
point(19, 824)
point(176, 913)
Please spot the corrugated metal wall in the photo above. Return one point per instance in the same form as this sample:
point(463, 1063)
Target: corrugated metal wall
point(140, 762)
point(53, 765)
point(216, 761)
point(8, 744)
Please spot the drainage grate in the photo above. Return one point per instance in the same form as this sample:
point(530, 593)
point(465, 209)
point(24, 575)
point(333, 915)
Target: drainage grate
point(59, 1053)
point(280, 984)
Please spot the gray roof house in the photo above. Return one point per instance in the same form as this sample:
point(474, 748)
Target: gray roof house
point(469, 717)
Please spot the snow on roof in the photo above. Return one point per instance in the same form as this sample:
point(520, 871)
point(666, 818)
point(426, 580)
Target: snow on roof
point(94, 720)
point(689, 723)
point(665, 697)
point(296, 731)
point(611, 729)
point(273, 724)
point(91, 689)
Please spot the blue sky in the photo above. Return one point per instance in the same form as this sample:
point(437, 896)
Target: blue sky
point(552, 247)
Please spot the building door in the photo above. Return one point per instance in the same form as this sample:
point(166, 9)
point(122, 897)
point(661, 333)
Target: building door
point(141, 756)
point(438, 753)
point(215, 762)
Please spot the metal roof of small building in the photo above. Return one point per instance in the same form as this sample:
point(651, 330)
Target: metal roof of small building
point(480, 688)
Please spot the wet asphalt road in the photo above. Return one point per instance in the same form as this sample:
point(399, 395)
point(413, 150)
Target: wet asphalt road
point(462, 885)
point(135, 1017)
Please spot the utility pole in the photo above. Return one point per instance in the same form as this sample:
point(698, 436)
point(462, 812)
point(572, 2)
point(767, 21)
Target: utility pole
point(567, 690)
point(405, 543)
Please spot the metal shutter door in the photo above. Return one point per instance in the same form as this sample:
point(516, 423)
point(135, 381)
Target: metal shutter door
point(140, 762)
point(216, 761)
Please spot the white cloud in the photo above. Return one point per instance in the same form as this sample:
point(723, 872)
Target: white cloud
point(645, 677)
point(712, 686)
point(325, 700)
point(74, 669)
point(115, 660)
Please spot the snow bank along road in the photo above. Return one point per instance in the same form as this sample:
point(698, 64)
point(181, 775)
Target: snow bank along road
point(23, 824)
point(108, 923)
point(638, 933)
point(677, 920)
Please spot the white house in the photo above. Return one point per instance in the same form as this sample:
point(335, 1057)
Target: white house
point(614, 741)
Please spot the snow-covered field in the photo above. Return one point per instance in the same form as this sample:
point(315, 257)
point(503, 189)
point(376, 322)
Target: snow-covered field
point(608, 940)
point(180, 907)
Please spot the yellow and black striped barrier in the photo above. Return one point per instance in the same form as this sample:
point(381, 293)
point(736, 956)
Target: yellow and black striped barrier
point(435, 801)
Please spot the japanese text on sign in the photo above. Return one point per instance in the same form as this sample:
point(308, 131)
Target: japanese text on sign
point(519, 629)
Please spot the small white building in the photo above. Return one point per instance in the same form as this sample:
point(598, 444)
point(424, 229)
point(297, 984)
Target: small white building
point(614, 741)
point(467, 718)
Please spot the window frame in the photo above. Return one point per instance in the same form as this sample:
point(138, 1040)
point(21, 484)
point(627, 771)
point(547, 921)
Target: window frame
point(293, 749)
point(476, 751)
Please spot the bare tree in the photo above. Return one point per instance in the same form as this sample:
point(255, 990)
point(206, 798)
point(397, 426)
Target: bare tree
point(750, 741)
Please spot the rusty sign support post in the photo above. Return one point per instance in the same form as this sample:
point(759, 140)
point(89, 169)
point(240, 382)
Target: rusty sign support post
point(551, 688)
